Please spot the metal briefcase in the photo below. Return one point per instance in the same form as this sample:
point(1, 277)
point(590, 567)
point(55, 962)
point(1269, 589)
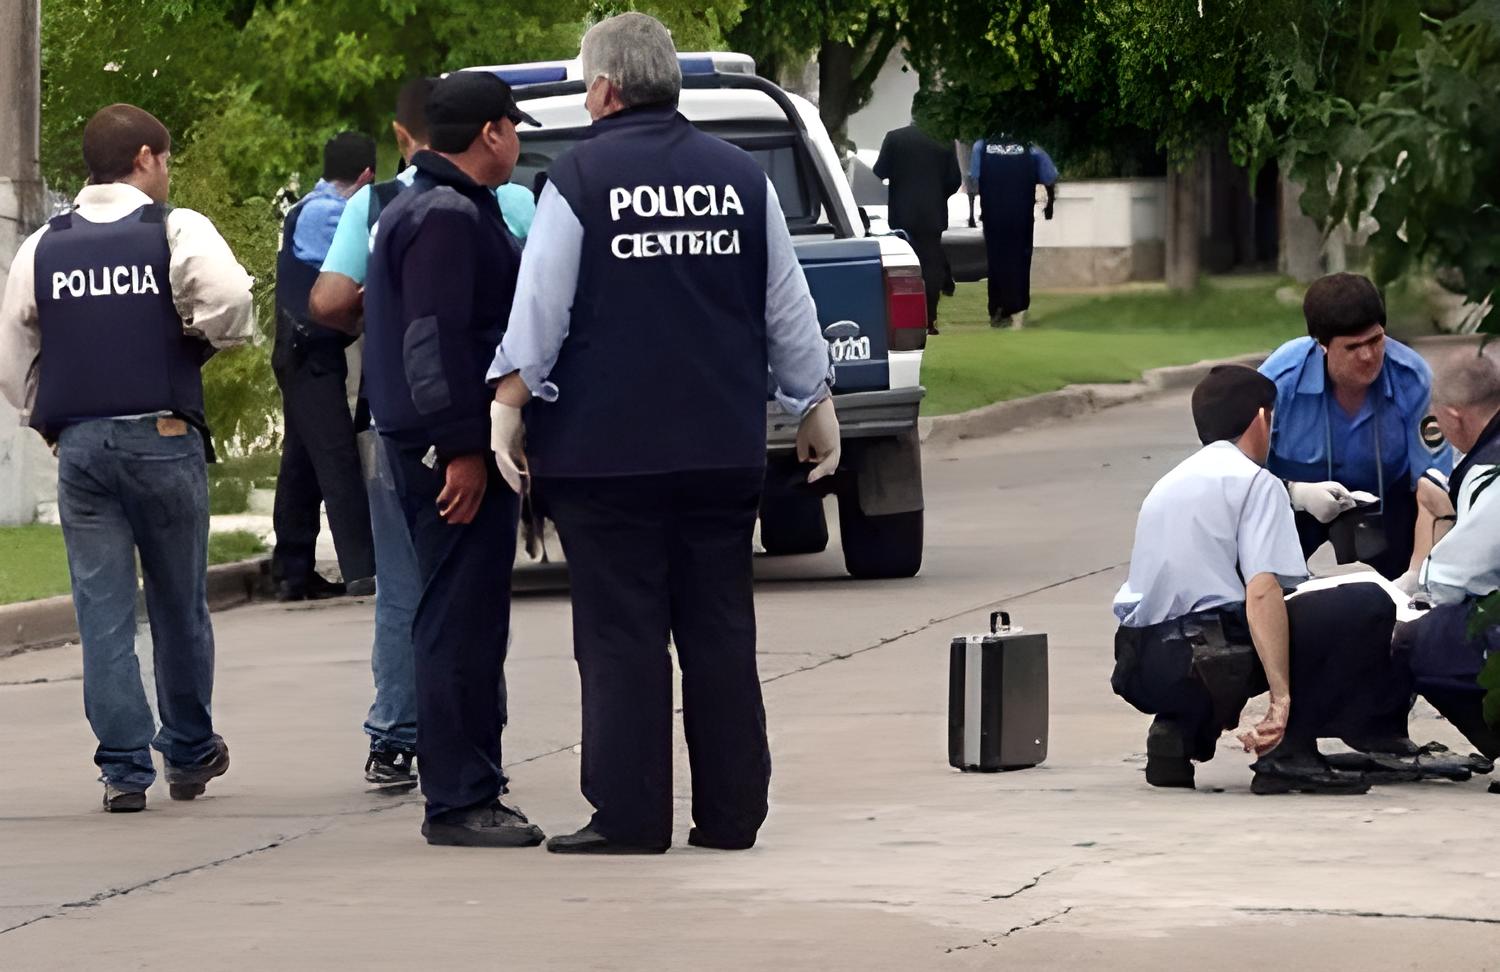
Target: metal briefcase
point(997, 698)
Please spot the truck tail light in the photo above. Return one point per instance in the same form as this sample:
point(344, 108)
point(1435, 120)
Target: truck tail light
point(906, 308)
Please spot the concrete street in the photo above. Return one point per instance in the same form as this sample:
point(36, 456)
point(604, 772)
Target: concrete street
point(876, 855)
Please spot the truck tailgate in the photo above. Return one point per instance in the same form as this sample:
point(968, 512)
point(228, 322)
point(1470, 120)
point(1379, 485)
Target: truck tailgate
point(848, 284)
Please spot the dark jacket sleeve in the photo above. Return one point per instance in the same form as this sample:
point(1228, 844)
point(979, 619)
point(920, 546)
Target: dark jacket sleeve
point(953, 178)
point(882, 167)
point(442, 362)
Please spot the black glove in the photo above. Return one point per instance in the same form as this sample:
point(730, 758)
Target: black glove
point(1047, 213)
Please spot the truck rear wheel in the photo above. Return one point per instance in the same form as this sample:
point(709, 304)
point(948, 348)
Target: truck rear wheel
point(792, 523)
point(879, 546)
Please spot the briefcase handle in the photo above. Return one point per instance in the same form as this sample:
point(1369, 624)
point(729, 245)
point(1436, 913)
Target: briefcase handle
point(999, 622)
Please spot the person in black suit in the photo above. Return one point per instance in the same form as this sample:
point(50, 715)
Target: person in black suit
point(923, 173)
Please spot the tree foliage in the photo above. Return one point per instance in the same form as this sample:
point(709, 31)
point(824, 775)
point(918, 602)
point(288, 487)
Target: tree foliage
point(1386, 110)
point(252, 88)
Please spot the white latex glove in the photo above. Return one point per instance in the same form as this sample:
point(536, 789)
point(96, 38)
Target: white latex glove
point(1410, 582)
point(505, 441)
point(1324, 501)
point(818, 440)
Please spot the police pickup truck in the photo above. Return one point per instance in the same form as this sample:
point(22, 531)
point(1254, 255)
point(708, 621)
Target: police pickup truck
point(868, 291)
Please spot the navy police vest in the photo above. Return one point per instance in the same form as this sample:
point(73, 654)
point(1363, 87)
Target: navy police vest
point(294, 284)
point(112, 341)
point(664, 366)
point(1008, 175)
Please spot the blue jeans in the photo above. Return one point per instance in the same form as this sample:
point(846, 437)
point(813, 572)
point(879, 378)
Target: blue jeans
point(124, 487)
point(392, 720)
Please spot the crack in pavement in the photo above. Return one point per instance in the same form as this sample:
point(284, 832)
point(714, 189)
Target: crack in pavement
point(1028, 885)
point(1351, 913)
point(994, 940)
point(108, 894)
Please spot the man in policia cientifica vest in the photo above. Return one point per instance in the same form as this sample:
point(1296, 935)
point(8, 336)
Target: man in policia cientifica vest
point(109, 312)
point(658, 288)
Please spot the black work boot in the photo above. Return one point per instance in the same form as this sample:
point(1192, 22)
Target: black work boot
point(1167, 762)
point(189, 782)
point(391, 770)
point(492, 825)
point(1303, 772)
point(117, 800)
point(590, 841)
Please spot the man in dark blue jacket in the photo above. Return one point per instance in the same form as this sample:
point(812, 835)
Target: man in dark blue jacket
point(659, 286)
point(441, 279)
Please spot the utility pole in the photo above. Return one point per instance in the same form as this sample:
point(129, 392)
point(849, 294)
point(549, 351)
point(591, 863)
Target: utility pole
point(26, 469)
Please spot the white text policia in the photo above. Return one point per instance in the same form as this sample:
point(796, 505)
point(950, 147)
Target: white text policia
point(650, 202)
point(105, 282)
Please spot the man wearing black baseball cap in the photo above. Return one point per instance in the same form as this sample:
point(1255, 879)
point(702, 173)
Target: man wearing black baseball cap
point(440, 283)
point(1205, 625)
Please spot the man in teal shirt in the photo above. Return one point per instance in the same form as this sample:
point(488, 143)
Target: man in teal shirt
point(337, 301)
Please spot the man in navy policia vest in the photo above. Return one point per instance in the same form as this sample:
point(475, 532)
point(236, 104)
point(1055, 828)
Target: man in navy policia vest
point(1007, 173)
point(109, 312)
point(658, 285)
point(437, 296)
point(319, 461)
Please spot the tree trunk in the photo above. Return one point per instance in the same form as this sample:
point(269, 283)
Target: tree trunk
point(27, 470)
point(835, 88)
point(1301, 239)
point(1184, 224)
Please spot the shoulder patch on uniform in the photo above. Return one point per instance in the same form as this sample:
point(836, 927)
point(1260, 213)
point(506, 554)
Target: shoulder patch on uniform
point(1432, 435)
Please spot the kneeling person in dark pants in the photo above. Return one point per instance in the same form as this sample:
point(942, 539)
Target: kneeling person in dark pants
point(1205, 627)
point(441, 280)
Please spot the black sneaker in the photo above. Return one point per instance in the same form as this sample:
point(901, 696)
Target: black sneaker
point(189, 782)
point(590, 841)
point(123, 801)
point(495, 825)
point(320, 588)
point(363, 587)
point(391, 769)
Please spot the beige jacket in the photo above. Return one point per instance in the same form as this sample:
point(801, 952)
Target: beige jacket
point(209, 287)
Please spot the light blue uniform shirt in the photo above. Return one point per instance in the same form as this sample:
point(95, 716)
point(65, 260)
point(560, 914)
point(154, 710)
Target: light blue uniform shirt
point(321, 214)
point(1206, 528)
point(349, 253)
point(1046, 170)
point(542, 313)
point(1313, 439)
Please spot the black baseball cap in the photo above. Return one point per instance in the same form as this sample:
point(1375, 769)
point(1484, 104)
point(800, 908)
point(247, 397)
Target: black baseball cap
point(461, 104)
point(1227, 400)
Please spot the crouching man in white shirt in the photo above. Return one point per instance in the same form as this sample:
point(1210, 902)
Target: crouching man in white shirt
point(1205, 625)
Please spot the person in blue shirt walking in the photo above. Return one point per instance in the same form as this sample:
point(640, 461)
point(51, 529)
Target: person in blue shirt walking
point(640, 344)
point(1007, 172)
point(319, 459)
point(1352, 415)
point(337, 301)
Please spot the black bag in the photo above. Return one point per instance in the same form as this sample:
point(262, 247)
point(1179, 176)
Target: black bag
point(997, 698)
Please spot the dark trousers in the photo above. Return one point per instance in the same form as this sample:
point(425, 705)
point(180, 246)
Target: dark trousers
point(1400, 522)
point(1343, 681)
point(319, 462)
point(1444, 658)
point(653, 557)
point(929, 250)
point(1007, 245)
point(459, 634)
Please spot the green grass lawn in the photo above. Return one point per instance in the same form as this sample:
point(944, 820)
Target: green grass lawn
point(33, 563)
point(1077, 337)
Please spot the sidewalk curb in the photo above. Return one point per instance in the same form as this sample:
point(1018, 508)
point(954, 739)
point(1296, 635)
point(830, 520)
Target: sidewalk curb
point(50, 621)
point(1069, 402)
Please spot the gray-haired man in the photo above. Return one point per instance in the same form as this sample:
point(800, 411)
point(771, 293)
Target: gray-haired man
point(659, 286)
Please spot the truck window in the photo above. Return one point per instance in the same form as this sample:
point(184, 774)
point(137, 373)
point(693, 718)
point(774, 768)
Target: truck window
point(774, 153)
